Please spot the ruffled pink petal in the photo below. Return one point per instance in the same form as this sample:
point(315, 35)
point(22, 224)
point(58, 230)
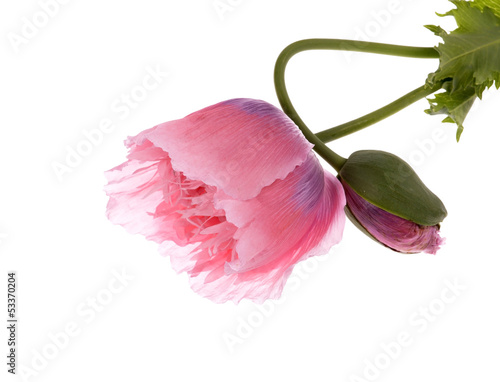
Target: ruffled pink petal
point(239, 146)
point(393, 231)
point(147, 196)
point(301, 207)
point(136, 189)
point(289, 221)
point(232, 247)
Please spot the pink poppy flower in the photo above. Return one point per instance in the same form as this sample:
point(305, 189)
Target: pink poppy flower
point(237, 189)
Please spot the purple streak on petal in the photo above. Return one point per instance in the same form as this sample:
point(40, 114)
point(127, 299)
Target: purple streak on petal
point(232, 149)
point(256, 107)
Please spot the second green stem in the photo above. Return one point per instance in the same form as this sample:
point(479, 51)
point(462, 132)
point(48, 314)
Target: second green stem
point(350, 127)
point(378, 115)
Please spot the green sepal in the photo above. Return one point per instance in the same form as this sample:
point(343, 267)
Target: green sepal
point(390, 183)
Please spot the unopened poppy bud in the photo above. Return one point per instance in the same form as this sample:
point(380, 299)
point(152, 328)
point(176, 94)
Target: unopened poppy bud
point(387, 200)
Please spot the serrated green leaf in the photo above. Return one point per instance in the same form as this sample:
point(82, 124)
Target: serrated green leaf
point(437, 30)
point(469, 58)
point(448, 120)
point(455, 105)
point(494, 5)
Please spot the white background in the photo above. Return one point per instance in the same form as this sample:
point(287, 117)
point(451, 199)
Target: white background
point(338, 311)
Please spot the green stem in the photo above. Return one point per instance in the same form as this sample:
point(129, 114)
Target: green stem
point(333, 44)
point(335, 160)
point(378, 115)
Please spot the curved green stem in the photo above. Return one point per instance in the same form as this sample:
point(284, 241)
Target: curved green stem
point(361, 46)
point(378, 115)
point(334, 44)
point(335, 160)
